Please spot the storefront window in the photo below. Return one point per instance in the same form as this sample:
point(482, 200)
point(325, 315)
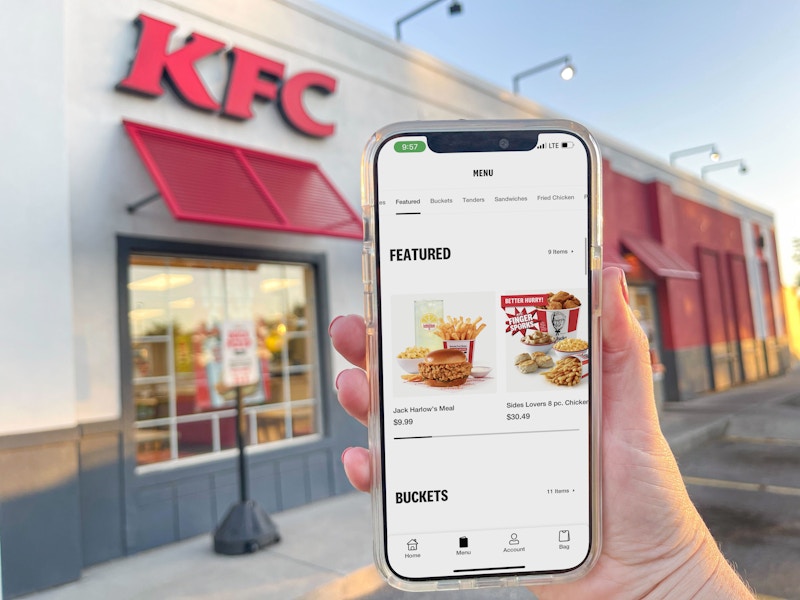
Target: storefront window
point(177, 308)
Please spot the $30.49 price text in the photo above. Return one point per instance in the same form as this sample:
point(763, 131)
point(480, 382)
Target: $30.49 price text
point(517, 416)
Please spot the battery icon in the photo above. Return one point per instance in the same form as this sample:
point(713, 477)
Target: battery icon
point(567, 144)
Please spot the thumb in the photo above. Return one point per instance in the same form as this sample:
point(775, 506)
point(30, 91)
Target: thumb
point(627, 374)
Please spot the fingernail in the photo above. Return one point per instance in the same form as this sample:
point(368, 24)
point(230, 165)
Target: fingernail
point(331, 325)
point(336, 383)
point(346, 450)
point(624, 285)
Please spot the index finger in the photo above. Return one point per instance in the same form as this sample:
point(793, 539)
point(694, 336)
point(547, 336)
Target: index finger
point(349, 336)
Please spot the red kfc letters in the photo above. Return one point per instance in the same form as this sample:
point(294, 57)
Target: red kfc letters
point(250, 76)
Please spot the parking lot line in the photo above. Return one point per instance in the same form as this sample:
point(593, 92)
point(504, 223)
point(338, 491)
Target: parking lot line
point(742, 485)
point(761, 440)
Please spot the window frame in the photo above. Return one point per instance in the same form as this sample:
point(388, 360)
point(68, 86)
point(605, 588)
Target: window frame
point(318, 300)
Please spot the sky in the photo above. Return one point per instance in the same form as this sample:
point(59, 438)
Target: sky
point(658, 75)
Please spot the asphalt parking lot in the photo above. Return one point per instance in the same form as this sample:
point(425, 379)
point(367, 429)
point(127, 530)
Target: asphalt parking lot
point(746, 486)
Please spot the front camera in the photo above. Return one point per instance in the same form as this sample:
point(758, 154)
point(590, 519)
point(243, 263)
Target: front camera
point(503, 144)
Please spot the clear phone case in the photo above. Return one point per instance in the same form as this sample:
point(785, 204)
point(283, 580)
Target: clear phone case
point(369, 268)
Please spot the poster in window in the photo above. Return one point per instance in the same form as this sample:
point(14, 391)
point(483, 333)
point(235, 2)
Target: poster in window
point(240, 364)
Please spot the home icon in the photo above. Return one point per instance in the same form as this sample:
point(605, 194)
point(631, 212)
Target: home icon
point(412, 544)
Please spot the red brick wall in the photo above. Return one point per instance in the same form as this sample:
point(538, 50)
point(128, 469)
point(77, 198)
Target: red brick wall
point(740, 294)
point(688, 317)
point(780, 316)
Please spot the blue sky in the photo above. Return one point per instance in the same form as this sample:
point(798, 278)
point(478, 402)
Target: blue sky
point(660, 76)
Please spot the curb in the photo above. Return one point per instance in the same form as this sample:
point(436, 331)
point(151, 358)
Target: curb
point(686, 441)
point(367, 584)
point(358, 584)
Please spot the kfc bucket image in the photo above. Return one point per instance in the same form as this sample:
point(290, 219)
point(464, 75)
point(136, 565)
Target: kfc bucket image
point(536, 324)
point(561, 324)
point(561, 315)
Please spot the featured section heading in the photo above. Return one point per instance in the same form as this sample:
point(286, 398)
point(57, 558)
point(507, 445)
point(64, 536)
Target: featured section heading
point(400, 254)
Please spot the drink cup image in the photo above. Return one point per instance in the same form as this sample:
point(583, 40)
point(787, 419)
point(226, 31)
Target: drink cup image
point(427, 314)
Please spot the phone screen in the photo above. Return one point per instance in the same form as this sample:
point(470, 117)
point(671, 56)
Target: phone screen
point(484, 312)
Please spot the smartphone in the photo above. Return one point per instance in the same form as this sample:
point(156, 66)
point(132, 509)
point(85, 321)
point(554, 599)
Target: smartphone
point(481, 264)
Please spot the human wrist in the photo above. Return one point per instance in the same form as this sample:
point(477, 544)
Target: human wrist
point(703, 574)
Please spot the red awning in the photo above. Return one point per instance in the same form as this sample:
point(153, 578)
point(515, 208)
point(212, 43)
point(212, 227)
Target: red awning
point(662, 261)
point(210, 182)
point(612, 258)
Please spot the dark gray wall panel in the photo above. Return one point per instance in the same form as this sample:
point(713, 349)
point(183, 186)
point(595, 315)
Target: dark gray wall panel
point(318, 471)
point(168, 505)
point(265, 485)
point(671, 391)
point(692, 372)
point(195, 507)
point(156, 520)
point(293, 482)
point(39, 517)
point(226, 492)
point(101, 498)
point(751, 358)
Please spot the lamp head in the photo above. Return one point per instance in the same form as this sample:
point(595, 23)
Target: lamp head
point(455, 8)
point(568, 72)
point(714, 156)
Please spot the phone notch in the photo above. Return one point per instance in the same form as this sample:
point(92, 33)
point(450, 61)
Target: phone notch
point(482, 141)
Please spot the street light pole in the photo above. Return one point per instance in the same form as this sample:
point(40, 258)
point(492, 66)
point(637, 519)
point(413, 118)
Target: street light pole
point(455, 9)
point(566, 73)
point(726, 165)
point(713, 153)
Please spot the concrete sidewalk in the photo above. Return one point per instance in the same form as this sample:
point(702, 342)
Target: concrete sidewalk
point(326, 547)
point(688, 424)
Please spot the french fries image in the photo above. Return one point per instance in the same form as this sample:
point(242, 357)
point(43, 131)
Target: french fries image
point(416, 377)
point(459, 328)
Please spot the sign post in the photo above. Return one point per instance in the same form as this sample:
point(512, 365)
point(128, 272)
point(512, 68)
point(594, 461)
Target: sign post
point(247, 527)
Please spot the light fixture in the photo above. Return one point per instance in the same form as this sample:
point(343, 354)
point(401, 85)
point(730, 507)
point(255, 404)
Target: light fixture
point(455, 8)
point(726, 165)
point(182, 303)
point(567, 72)
point(161, 282)
point(273, 285)
point(143, 314)
point(713, 153)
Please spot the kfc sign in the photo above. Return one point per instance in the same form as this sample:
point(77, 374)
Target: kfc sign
point(250, 76)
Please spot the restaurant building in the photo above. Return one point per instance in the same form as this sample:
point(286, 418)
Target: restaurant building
point(170, 165)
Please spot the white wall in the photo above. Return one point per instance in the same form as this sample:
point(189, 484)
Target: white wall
point(379, 82)
point(36, 351)
point(376, 85)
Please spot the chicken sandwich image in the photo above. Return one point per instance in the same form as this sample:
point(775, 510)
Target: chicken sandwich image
point(445, 368)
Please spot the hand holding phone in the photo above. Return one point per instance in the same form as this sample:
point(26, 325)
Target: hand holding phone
point(482, 245)
point(654, 541)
